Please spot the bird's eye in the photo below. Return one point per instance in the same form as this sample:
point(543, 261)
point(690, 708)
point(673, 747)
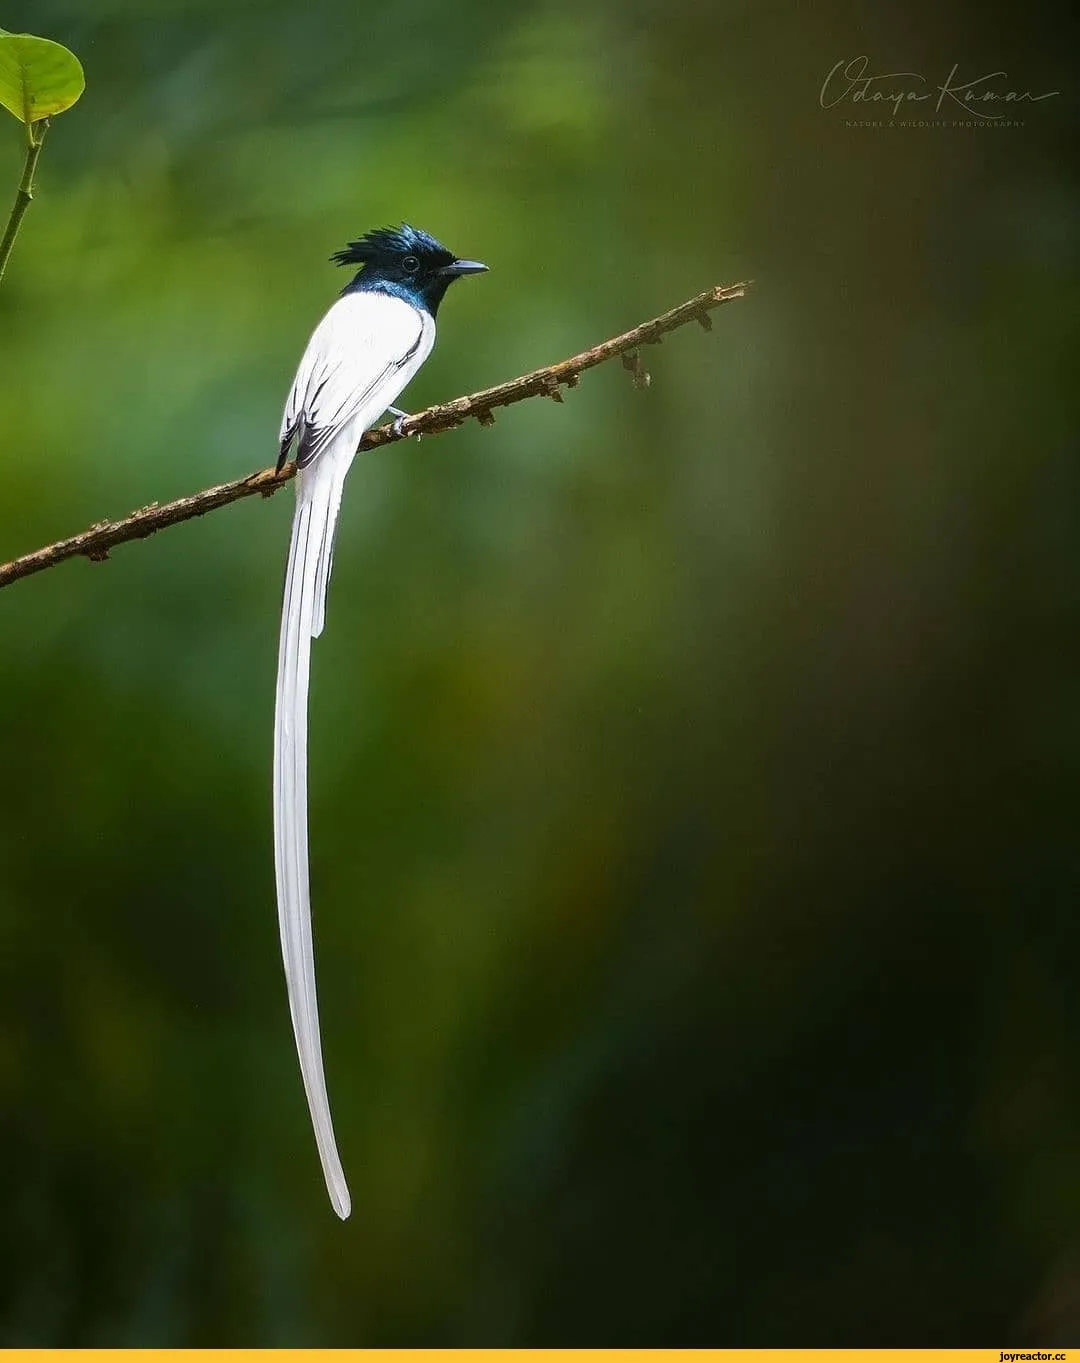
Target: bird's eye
point(410, 264)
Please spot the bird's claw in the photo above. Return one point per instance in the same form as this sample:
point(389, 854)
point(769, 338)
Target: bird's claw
point(398, 424)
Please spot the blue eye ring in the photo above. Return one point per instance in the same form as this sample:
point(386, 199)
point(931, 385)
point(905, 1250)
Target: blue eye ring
point(410, 264)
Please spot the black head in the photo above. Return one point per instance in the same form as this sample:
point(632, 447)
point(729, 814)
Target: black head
point(406, 262)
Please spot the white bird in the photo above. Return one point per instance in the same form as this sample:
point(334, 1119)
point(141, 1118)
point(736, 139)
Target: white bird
point(360, 357)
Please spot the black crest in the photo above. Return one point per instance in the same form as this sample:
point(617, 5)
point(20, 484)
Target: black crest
point(385, 244)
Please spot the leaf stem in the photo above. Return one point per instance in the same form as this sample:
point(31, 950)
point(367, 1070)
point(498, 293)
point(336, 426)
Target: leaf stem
point(35, 136)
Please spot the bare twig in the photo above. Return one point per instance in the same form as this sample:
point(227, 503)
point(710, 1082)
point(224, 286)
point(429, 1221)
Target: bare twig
point(96, 542)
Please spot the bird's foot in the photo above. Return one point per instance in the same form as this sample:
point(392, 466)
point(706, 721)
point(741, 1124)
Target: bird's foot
point(400, 418)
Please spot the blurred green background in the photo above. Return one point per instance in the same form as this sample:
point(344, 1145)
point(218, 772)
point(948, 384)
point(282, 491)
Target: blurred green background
point(694, 772)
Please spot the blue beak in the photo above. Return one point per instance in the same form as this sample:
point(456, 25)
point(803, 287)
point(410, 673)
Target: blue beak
point(460, 267)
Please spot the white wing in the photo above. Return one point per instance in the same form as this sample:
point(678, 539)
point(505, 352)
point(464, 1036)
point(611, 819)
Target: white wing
point(360, 357)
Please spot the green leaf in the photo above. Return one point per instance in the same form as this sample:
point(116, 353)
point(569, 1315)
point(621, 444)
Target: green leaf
point(38, 78)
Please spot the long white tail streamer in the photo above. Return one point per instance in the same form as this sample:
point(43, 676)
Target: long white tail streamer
point(303, 611)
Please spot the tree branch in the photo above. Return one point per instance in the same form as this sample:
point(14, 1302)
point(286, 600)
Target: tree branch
point(96, 542)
